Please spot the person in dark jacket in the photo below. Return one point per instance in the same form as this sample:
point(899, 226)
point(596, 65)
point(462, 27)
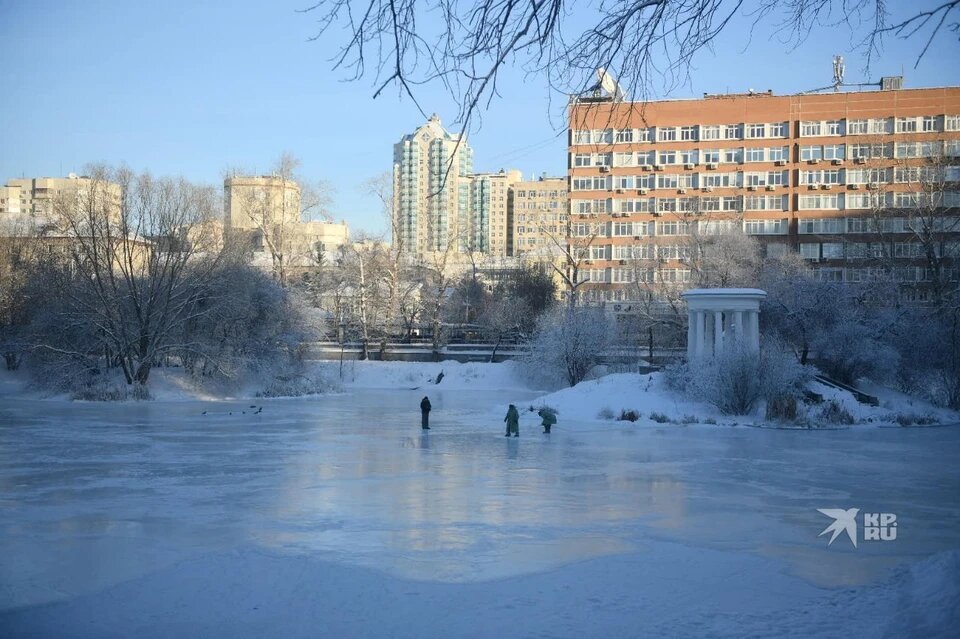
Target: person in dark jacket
point(513, 421)
point(425, 413)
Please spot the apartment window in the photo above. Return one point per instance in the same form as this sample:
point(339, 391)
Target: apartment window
point(881, 126)
point(756, 130)
point(857, 127)
point(721, 180)
point(765, 227)
point(951, 123)
point(581, 137)
point(811, 152)
point(713, 132)
point(754, 154)
point(810, 129)
point(643, 135)
point(666, 205)
point(764, 203)
point(929, 123)
point(755, 179)
point(635, 206)
point(951, 148)
point(667, 134)
point(777, 178)
point(871, 151)
point(602, 159)
point(667, 181)
point(779, 154)
point(732, 132)
point(818, 202)
point(623, 159)
point(864, 201)
point(831, 250)
point(710, 204)
point(688, 156)
point(861, 225)
point(821, 226)
point(622, 229)
point(622, 182)
point(626, 135)
point(604, 136)
point(733, 156)
point(833, 127)
point(730, 203)
point(668, 157)
point(834, 152)
point(906, 125)
point(779, 130)
point(710, 156)
point(866, 176)
point(688, 133)
point(672, 228)
point(579, 159)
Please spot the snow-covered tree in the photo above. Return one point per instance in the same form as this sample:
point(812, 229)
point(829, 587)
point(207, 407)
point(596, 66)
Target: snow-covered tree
point(568, 343)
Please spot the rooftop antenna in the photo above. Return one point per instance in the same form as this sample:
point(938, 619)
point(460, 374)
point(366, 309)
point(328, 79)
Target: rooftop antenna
point(838, 69)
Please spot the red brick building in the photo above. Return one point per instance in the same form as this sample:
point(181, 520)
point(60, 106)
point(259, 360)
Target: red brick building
point(836, 177)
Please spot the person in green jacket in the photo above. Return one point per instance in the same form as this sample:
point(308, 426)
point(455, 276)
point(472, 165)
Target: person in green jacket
point(549, 418)
point(513, 421)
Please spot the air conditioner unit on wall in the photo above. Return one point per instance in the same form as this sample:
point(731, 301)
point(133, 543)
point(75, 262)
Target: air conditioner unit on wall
point(780, 163)
point(853, 187)
point(688, 165)
point(751, 188)
point(712, 165)
point(860, 160)
point(604, 169)
point(771, 187)
point(814, 161)
point(837, 162)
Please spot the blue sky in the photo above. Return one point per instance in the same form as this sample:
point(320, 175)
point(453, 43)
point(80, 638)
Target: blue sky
point(196, 87)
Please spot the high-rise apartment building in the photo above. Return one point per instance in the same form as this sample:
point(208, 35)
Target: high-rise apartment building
point(490, 228)
point(838, 177)
point(540, 215)
point(432, 191)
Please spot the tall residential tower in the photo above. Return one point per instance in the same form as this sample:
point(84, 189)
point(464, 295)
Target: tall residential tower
point(431, 191)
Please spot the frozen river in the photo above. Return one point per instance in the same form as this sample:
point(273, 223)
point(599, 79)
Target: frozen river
point(337, 516)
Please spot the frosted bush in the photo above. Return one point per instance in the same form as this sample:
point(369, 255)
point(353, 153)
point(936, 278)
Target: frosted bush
point(736, 380)
point(567, 345)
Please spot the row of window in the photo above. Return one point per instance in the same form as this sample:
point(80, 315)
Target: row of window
point(775, 226)
point(874, 175)
point(740, 155)
point(843, 225)
point(874, 250)
point(808, 250)
point(762, 130)
point(808, 202)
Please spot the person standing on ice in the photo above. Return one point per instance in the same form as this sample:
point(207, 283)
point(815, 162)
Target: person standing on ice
point(549, 418)
point(425, 413)
point(513, 421)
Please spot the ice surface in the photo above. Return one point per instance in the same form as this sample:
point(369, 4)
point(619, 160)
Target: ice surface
point(337, 516)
